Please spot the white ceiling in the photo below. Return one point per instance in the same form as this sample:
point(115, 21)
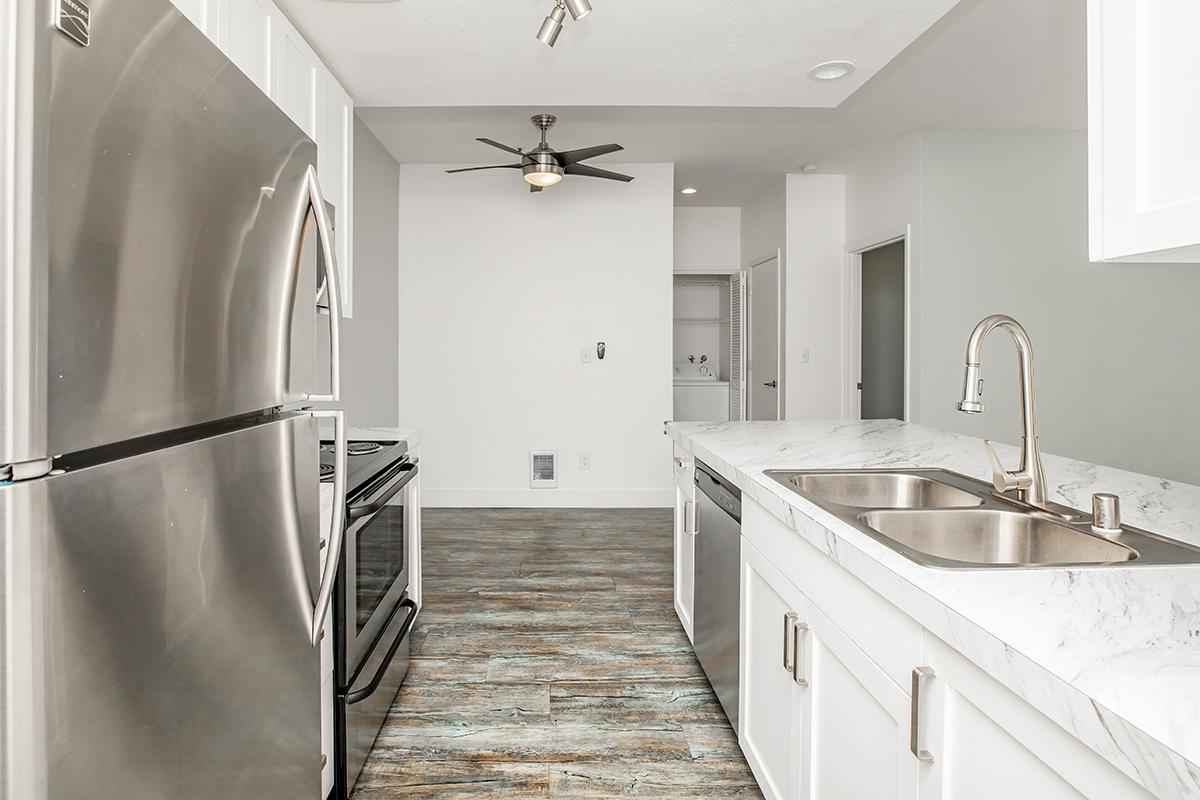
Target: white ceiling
point(994, 64)
point(626, 53)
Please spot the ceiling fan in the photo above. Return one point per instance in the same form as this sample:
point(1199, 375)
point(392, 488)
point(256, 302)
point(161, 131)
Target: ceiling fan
point(542, 166)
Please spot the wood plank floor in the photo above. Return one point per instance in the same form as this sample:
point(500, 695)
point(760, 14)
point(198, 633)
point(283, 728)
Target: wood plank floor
point(548, 662)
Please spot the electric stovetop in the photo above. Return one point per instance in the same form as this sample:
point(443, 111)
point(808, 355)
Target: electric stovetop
point(364, 460)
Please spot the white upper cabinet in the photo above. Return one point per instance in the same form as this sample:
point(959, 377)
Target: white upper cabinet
point(1143, 126)
point(202, 13)
point(335, 134)
point(296, 79)
point(248, 38)
point(265, 45)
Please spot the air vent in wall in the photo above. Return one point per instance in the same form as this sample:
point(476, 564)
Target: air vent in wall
point(543, 469)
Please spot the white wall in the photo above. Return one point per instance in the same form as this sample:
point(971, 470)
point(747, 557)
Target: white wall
point(500, 290)
point(883, 200)
point(815, 277)
point(369, 340)
point(1000, 225)
point(764, 233)
point(1005, 218)
point(764, 223)
point(708, 238)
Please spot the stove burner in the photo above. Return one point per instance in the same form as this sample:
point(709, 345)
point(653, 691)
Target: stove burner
point(326, 471)
point(356, 448)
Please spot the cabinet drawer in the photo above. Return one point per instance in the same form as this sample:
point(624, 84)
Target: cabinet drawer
point(886, 634)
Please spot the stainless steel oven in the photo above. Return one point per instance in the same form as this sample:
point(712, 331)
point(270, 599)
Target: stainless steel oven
point(374, 612)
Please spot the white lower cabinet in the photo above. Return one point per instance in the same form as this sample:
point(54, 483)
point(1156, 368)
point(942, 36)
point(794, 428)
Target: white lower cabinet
point(685, 538)
point(989, 744)
point(770, 701)
point(856, 737)
point(847, 724)
point(815, 710)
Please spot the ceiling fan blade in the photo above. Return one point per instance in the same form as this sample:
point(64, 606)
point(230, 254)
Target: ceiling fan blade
point(533, 188)
point(494, 143)
point(593, 172)
point(497, 166)
point(575, 156)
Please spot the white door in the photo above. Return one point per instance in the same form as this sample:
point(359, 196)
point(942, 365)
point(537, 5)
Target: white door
point(857, 721)
point(766, 337)
point(770, 698)
point(988, 744)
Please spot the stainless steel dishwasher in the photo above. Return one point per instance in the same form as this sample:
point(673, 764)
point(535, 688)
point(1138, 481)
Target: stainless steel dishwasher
point(718, 584)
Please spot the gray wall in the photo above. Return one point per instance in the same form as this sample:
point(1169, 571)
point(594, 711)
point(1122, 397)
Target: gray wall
point(370, 346)
point(1004, 229)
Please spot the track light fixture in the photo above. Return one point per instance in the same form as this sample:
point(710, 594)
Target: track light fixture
point(552, 25)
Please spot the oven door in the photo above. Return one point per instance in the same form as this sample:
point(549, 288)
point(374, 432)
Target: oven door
point(375, 563)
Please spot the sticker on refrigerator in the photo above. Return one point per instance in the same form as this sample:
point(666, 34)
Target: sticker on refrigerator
point(73, 18)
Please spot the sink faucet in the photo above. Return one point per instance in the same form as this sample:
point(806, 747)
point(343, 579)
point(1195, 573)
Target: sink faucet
point(1028, 479)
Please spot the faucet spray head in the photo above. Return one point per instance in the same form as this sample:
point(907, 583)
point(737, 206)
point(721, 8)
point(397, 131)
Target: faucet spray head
point(972, 399)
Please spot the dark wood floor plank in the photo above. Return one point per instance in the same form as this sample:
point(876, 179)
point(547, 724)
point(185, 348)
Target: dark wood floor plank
point(658, 779)
point(548, 662)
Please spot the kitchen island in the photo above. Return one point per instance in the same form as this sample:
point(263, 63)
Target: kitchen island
point(1110, 654)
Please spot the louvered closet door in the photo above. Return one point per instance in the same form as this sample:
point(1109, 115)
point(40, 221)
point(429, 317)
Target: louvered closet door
point(737, 349)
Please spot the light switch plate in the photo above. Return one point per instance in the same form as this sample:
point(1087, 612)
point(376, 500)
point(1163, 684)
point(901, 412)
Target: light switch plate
point(585, 355)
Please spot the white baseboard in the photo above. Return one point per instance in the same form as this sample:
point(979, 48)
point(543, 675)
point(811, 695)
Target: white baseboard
point(547, 498)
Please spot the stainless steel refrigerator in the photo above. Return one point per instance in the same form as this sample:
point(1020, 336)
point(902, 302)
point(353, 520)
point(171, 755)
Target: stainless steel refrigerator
point(163, 246)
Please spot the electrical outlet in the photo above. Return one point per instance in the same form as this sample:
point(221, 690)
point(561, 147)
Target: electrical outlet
point(585, 355)
point(585, 461)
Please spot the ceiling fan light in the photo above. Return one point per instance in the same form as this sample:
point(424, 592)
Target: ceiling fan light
point(542, 175)
point(579, 9)
point(552, 26)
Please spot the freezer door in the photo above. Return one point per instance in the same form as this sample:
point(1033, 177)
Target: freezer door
point(182, 271)
point(158, 623)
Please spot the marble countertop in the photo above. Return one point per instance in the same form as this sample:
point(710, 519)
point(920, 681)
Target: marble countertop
point(1110, 653)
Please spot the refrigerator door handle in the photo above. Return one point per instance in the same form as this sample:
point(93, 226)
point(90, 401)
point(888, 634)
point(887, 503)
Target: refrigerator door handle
point(337, 523)
point(334, 291)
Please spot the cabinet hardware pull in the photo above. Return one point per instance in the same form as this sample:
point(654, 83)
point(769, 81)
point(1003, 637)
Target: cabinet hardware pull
point(914, 731)
point(789, 620)
point(799, 631)
point(689, 517)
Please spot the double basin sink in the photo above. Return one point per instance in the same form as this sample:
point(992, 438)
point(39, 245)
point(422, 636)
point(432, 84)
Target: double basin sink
point(939, 518)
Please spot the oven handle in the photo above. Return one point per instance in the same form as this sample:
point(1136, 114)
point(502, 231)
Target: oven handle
point(368, 690)
point(376, 503)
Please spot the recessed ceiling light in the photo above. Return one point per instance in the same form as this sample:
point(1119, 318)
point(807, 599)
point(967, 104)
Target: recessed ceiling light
point(831, 70)
point(688, 190)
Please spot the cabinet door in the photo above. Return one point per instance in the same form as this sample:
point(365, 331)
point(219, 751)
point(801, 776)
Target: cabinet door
point(248, 38)
point(685, 558)
point(202, 13)
point(856, 723)
point(335, 157)
point(989, 744)
point(296, 69)
point(770, 700)
point(1143, 125)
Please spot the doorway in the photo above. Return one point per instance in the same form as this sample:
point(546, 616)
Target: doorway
point(882, 315)
point(765, 373)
